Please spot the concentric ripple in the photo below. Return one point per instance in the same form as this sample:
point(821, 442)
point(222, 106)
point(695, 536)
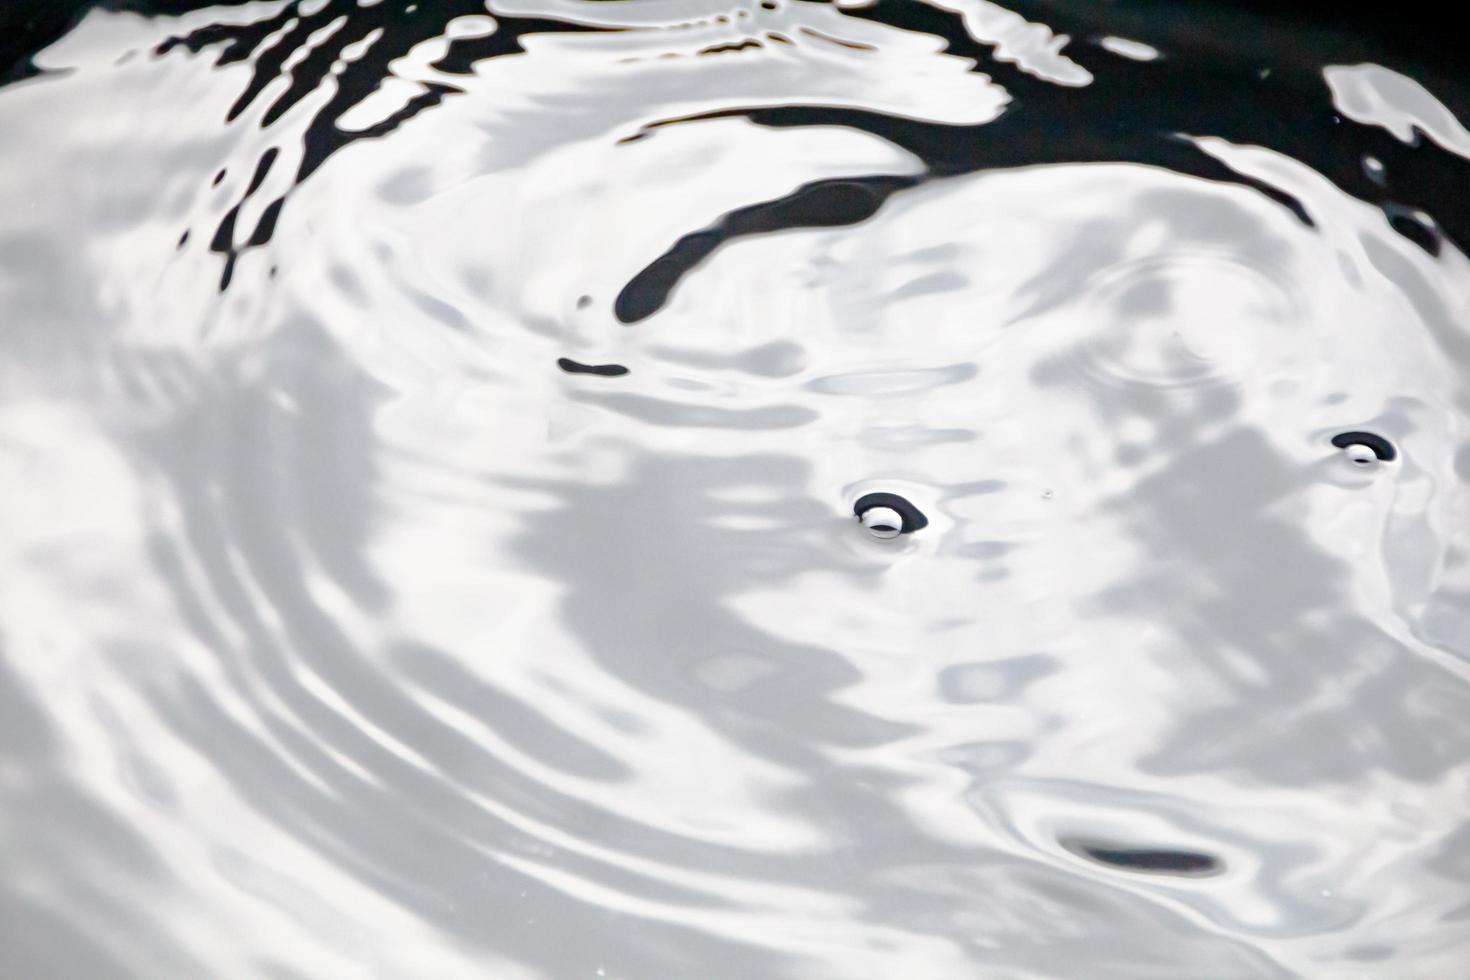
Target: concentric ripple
point(1186, 319)
point(434, 437)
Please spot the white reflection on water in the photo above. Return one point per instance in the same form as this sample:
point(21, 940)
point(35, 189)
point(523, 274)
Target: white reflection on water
point(344, 634)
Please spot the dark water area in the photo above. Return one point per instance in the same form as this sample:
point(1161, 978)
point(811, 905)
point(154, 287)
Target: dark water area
point(667, 488)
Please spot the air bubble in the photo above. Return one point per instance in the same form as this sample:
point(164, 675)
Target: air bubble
point(887, 515)
point(1356, 444)
point(883, 522)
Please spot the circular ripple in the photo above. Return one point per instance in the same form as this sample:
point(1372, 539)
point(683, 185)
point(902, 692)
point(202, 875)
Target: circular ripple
point(1187, 319)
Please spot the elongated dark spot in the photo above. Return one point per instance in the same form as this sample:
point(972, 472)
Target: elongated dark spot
point(1147, 859)
point(267, 224)
point(722, 48)
point(606, 370)
point(261, 169)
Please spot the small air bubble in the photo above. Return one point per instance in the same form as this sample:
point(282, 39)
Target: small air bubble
point(1365, 448)
point(883, 522)
point(887, 515)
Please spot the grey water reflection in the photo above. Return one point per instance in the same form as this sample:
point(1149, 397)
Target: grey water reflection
point(344, 631)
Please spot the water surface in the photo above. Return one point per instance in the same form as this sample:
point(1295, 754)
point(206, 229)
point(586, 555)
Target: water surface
point(428, 441)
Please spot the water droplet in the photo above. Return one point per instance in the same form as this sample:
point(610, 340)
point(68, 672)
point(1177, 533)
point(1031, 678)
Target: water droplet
point(883, 522)
point(888, 515)
point(1355, 443)
point(1373, 167)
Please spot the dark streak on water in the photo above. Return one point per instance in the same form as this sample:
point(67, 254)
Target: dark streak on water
point(605, 370)
point(401, 31)
point(1132, 112)
point(1147, 860)
point(821, 204)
